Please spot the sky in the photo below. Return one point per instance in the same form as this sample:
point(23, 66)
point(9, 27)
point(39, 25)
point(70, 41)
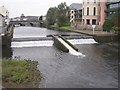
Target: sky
point(32, 7)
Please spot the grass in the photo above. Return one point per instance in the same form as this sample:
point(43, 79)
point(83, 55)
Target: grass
point(20, 73)
point(67, 28)
point(63, 27)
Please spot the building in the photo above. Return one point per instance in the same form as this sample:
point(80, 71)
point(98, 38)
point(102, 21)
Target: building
point(93, 12)
point(75, 14)
point(3, 17)
point(103, 14)
point(112, 7)
point(113, 12)
point(78, 16)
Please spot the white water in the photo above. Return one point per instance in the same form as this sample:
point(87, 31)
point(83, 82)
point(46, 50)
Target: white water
point(49, 43)
point(82, 41)
point(71, 50)
point(31, 44)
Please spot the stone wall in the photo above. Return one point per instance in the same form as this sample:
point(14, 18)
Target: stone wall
point(89, 27)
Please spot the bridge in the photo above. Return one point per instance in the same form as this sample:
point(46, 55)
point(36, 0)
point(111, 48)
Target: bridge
point(34, 21)
point(28, 23)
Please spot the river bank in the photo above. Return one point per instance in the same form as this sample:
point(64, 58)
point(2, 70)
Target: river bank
point(98, 35)
point(20, 74)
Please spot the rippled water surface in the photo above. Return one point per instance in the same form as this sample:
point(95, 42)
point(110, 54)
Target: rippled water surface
point(98, 69)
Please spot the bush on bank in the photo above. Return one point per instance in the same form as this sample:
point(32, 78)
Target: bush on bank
point(20, 74)
point(112, 23)
point(108, 25)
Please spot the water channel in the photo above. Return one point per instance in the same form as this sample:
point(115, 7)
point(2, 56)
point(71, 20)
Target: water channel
point(98, 69)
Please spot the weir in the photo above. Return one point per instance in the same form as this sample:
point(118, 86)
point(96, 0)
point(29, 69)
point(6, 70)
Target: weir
point(66, 46)
point(71, 50)
point(48, 43)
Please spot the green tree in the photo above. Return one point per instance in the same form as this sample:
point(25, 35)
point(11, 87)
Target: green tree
point(62, 14)
point(58, 15)
point(116, 19)
point(108, 25)
point(51, 15)
point(112, 22)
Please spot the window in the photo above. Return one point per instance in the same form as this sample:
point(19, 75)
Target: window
point(88, 21)
point(114, 6)
point(72, 21)
point(94, 22)
point(94, 11)
point(83, 11)
point(94, 1)
point(72, 11)
point(87, 11)
point(87, 1)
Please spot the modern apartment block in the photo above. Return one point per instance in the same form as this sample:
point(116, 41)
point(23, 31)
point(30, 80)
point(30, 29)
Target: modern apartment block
point(75, 14)
point(93, 12)
point(113, 7)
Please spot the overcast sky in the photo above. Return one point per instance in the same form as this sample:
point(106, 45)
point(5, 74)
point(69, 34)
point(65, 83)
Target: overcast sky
point(32, 7)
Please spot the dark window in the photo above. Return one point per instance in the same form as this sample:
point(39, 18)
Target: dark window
point(87, 10)
point(94, 22)
point(87, 1)
point(88, 21)
point(94, 1)
point(72, 21)
point(94, 11)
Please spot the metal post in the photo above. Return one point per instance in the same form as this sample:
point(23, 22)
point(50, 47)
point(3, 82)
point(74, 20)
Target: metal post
point(93, 26)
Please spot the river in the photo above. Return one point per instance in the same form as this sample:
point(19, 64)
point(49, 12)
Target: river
point(98, 69)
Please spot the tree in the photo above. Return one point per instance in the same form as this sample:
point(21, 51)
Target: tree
point(62, 14)
point(112, 22)
point(51, 15)
point(58, 15)
point(116, 19)
point(108, 25)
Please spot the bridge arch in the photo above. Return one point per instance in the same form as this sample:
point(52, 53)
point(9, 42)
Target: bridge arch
point(20, 24)
point(31, 24)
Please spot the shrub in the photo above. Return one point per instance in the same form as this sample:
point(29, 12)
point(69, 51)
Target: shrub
point(115, 28)
point(108, 25)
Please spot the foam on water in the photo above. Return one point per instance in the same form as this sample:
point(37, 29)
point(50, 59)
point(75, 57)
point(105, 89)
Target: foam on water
point(31, 44)
point(49, 43)
point(82, 41)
